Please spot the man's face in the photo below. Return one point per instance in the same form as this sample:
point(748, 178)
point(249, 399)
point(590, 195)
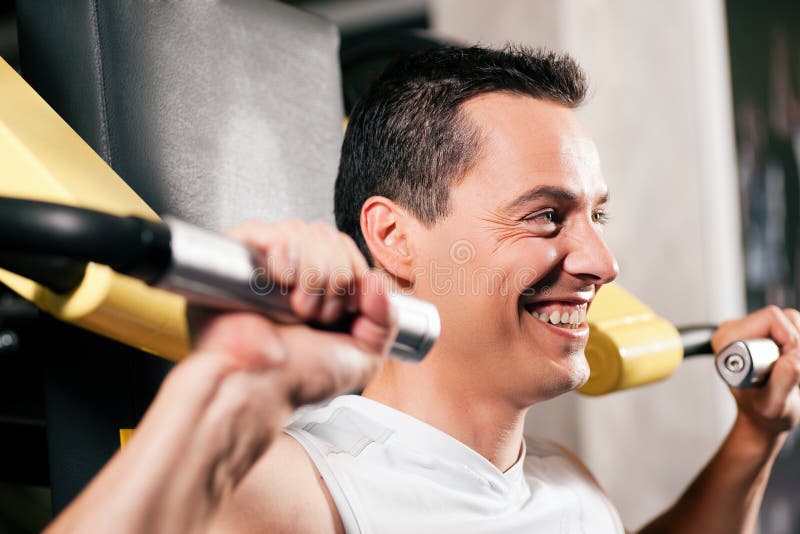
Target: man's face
point(523, 242)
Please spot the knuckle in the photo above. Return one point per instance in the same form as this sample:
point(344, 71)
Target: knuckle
point(724, 326)
point(294, 222)
point(347, 239)
point(234, 233)
point(292, 225)
point(320, 225)
point(254, 232)
point(720, 334)
point(355, 252)
point(254, 225)
point(241, 230)
point(773, 310)
point(792, 313)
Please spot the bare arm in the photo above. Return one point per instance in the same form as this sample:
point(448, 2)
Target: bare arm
point(283, 493)
point(726, 496)
point(186, 455)
point(219, 411)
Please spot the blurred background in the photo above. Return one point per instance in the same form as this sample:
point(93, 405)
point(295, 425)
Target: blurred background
point(695, 107)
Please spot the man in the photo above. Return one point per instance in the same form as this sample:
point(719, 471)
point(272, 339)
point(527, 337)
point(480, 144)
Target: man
point(467, 180)
point(470, 164)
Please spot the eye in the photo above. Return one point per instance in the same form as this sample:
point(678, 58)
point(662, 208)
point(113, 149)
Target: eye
point(547, 218)
point(600, 217)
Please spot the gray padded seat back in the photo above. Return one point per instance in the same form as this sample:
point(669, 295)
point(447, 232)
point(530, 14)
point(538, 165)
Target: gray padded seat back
point(215, 111)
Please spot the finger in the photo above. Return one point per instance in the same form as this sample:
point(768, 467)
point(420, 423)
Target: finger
point(360, 269)
point(794, 318)
point(359, 262)
point(274, 246)
point(376, 325)
point(313, 265)
point(326, 364)
point(786, 371)
point(280, 256)
point(240, 232)
point(769, 321)
point(784, 377)
point(256, 233)
point(341, 277)
point(312, 259)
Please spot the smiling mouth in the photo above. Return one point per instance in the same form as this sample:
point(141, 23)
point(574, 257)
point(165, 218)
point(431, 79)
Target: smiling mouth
point(563, 315)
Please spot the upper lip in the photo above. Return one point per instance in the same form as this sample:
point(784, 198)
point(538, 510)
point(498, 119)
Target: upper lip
point(571, 299)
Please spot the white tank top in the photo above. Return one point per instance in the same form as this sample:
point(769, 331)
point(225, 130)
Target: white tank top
point(391, 473)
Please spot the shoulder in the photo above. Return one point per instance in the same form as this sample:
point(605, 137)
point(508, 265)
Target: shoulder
point(347, 424)
point(283, 492)
point(548, 447)
point(545, 447)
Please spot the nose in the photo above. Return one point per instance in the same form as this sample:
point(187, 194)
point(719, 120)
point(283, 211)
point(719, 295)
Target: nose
point(589, 257)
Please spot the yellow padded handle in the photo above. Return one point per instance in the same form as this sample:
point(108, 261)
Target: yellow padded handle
point(42, 158)
point(629, 345)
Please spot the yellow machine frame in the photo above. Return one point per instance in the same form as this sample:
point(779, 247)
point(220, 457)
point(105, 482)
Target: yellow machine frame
point(44, 159)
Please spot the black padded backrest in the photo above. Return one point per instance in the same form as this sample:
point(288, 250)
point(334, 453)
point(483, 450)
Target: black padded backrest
point(215, 111)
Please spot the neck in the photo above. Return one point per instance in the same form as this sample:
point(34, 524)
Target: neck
point(431, 392)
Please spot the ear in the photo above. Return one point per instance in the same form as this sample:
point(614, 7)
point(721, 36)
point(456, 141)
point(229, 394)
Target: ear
point(385, 227)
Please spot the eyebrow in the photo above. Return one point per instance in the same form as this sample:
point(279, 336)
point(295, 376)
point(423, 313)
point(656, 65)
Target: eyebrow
point(549, 192)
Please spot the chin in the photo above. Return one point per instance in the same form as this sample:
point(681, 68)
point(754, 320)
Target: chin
point(580, 372)
point(574, 373)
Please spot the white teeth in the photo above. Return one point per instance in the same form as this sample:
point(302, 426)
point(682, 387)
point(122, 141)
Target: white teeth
point(565, 319)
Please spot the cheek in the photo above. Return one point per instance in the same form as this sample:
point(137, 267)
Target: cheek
point(530, 262)
point(494, 278)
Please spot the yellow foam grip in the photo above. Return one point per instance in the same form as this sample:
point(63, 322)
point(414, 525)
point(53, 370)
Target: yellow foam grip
point(629, 345)
point(42, 158)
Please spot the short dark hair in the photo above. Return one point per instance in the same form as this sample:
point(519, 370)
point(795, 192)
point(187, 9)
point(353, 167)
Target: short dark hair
point(407, 138)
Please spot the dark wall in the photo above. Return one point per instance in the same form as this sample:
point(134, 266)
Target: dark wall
point(765, 69)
